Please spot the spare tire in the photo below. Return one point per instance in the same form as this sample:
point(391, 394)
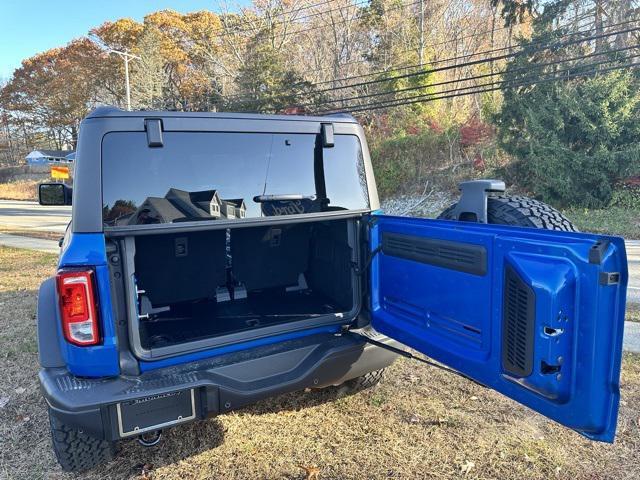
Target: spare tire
point(520, 211)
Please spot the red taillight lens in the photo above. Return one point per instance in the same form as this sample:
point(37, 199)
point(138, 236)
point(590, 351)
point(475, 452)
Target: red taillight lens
point(78, 307)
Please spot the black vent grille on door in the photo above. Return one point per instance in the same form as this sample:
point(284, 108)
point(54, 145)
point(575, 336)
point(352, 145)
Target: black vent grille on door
point(517, 325)
point(463, 257)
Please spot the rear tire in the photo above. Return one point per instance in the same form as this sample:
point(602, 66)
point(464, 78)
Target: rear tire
point(365, 381)
point(75, 450)
point(520, 211)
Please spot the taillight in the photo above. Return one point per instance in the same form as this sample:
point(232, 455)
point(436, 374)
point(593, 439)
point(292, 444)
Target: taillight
point(78, 306)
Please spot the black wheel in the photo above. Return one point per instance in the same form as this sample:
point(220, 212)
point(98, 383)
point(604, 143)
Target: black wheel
point(367, 380)
point(522, 212)
point(75, 450)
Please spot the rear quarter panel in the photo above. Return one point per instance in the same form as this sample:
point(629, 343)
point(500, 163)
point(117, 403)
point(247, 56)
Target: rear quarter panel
point(88, 250)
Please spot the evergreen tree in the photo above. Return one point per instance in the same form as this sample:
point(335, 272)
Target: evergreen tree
point(572, 138)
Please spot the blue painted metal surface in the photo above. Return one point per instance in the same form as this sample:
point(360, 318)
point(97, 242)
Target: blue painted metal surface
point(88, 250)
point(456, 317)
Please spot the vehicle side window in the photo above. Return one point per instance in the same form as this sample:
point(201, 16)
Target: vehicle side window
point(344, 174)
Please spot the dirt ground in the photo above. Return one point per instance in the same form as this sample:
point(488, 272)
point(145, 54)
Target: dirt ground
point(418, 423)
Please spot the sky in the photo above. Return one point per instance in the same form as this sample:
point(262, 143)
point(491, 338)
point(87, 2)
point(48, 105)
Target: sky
point(31, 26)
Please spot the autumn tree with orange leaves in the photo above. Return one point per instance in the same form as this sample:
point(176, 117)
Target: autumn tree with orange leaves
point(54, 90)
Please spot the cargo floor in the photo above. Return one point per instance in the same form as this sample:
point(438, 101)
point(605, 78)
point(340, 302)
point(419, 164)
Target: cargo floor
point(191, 321)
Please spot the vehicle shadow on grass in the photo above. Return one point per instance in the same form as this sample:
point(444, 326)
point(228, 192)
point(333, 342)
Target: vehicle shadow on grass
point(300, 400)
point(182, 442)
point(177, 444)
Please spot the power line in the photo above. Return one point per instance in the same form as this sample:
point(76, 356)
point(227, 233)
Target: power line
point(405, 67)
point(474, 62)
point(299, 19)
point(279, 14)
point(475, 77)
point(545, 46)
point(435, 62)
point(412, 66)
point(319, 27)
point(401, 102)
point(507, 82)
point(491, 59)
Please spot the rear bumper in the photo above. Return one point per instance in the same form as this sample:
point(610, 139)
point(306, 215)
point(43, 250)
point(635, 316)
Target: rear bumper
point(219, 384)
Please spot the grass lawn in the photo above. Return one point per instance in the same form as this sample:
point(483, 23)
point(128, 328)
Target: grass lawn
point(612, 220)
point(418, 423)
point(633, 312)
point(20, 190)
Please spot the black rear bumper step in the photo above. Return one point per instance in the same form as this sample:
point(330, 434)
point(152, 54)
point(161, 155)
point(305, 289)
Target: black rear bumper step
point(220, 384)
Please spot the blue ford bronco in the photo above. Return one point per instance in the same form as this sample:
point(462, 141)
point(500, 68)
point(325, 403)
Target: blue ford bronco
point(214, 260)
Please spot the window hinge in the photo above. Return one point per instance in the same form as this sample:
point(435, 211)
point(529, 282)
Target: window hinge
point(326, 131)
point(153, 126)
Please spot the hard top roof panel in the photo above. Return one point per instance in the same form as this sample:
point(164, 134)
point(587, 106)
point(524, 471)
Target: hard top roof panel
point(112, 112)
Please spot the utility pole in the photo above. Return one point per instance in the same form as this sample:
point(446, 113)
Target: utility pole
point(599, 24)
point(126, 56)
point(421, 53)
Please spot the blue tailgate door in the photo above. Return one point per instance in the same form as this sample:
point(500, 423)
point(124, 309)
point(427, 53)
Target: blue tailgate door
point(537, 315)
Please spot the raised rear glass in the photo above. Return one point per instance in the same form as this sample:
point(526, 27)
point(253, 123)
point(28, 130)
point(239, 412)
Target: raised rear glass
point(228, 176)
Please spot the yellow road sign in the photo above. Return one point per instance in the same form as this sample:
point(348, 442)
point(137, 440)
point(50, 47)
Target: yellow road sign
point(59, 172)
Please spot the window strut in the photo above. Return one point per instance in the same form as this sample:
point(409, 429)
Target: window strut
point(410, 356)
point(367, 264)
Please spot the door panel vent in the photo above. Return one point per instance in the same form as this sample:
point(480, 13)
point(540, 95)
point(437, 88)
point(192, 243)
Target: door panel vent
point(463, 257)
point(405, 309)
point(518, 318)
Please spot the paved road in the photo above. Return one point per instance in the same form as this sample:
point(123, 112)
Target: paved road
point(30, 243)
point(633, 259)
point(31, 216)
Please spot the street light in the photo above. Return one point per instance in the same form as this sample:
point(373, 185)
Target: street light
point(126, 56)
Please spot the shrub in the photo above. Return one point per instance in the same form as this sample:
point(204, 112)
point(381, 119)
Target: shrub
point(627, 194)
point(475, 132)
point(402, 163)
point(7, 174)
point(573, 141)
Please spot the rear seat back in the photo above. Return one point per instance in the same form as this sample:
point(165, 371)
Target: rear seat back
point(268, 257)
point(329, 264)
point(181, 267)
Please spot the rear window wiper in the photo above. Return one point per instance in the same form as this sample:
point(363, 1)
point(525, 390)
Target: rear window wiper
point(284, 197)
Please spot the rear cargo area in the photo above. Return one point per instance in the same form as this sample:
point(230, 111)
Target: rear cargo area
point(212, 285)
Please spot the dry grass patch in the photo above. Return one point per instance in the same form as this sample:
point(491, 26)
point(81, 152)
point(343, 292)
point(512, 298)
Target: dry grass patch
point(19, 190)
point(633, 312)
point(418, 423)
point(31, 233)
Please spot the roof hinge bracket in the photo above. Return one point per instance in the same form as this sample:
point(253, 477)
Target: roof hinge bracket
point(153, 126)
